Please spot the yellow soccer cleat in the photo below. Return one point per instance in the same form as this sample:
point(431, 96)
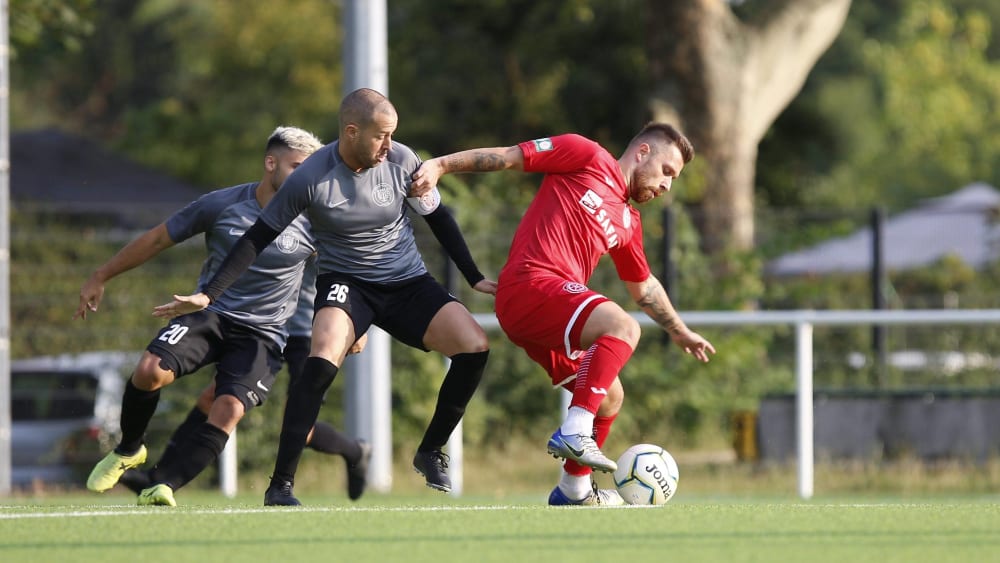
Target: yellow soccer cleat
point(109, 470)
point(157, 495)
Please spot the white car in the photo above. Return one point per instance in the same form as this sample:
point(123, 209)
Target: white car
point(64, 414)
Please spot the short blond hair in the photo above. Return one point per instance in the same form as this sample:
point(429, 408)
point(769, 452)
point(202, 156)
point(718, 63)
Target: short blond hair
point(293, 138)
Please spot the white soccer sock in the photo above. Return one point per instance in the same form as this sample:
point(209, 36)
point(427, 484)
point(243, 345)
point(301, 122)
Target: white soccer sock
point(576, 487)
point(578, 421)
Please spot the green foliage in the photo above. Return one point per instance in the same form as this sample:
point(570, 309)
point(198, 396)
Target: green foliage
point(903, 107)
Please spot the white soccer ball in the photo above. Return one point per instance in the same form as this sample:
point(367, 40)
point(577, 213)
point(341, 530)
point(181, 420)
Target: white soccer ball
point(647, 475)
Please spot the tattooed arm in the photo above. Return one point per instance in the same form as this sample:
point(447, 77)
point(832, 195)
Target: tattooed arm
point(472, 160)
point(653, 300)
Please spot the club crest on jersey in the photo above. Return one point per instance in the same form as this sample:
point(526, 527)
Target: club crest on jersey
point(287, 243)
point(383, 194)
point(542, 145)
point(574, 287)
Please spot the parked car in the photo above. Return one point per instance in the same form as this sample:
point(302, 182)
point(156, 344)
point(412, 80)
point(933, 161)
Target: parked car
point(64, 414)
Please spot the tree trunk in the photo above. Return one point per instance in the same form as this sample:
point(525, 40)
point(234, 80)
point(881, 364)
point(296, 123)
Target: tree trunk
point(724, 81)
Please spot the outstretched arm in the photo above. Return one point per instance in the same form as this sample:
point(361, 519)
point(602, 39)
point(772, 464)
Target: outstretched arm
point(472, 160)
point(239, 259)
point(133, 254)
point(653, 300)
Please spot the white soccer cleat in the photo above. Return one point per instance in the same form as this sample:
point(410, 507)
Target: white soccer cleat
point(582, 449)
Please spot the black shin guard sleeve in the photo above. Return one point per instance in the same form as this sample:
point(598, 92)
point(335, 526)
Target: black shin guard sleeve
point(193, 456)
point(195, 419)
point(305, 397)
point(459, 385)
point(138, 407)
point(327, 439)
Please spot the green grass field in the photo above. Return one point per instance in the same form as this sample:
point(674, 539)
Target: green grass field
point(427, 526)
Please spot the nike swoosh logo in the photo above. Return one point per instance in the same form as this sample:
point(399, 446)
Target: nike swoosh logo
point(236, 232)
point(575, 451)
point(332, 205)
point(261, 385)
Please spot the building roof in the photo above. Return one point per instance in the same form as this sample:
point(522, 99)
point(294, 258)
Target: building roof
point(963, 223)
point(65, 172)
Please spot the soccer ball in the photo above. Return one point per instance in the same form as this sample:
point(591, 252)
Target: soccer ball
point(646, 475)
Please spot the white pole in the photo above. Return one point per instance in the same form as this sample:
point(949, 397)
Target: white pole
point(5, 430)
point(368, 400)
point(804, 405)
point(456, 468)
point(456, 450)
point(227, 467)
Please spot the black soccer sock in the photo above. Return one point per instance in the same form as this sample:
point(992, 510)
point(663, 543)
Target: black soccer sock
point(457, 389)
point(138, 407)
point(195, 418)
point(305, 397)
point(329, 440)
point(193, 456)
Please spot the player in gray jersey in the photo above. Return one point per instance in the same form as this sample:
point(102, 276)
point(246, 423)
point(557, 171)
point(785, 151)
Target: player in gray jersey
point(355, 192)
point(242, 333)
point(324, 437)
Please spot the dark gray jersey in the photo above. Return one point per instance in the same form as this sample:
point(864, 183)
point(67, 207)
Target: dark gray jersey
point(301, 322)
point(263, 298)
point(358, 219)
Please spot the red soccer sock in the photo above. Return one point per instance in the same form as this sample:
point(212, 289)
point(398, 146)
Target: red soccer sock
point(598, 370)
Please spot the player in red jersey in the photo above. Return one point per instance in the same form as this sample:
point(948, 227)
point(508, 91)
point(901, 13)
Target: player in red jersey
point(582, 211)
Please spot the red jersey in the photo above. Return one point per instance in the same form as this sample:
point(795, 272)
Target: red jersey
point(580, 213)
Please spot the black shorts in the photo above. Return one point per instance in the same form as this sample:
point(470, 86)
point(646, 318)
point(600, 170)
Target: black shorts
point(404, 309)
point(246, 362)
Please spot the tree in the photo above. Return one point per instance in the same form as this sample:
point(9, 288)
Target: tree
point(724, 74)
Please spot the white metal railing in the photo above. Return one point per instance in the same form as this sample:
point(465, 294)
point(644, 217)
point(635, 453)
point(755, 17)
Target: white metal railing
point(803, 322)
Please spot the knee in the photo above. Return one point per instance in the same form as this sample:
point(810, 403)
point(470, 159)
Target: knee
point(479, 343)
point(627, 329)
point(149, 375)
point(226, 412)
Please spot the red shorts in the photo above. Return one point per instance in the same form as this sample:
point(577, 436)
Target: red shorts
point(545, 316)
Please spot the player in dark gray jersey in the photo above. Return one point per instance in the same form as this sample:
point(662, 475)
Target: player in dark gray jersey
point(242, 332)
point(370, 272)
point(324, 437)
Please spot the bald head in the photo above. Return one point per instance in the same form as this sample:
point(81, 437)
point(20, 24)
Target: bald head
point(367, 122)
point(362, 106)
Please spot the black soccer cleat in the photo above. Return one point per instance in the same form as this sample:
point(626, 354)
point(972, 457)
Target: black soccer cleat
point(357, 473)
point(433, 465)
point(279, 493)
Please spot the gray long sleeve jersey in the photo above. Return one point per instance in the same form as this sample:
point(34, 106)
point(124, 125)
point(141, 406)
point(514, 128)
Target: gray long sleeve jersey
point(263, 298)
point(358, 219)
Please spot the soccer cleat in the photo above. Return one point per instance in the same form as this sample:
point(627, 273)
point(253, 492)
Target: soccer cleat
point(109, 470)
point(597, 497)
point(357, 474)
point(582, 449)
point(433, 465)
point(157, 495)
point(279, 493)
point(136, 480)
